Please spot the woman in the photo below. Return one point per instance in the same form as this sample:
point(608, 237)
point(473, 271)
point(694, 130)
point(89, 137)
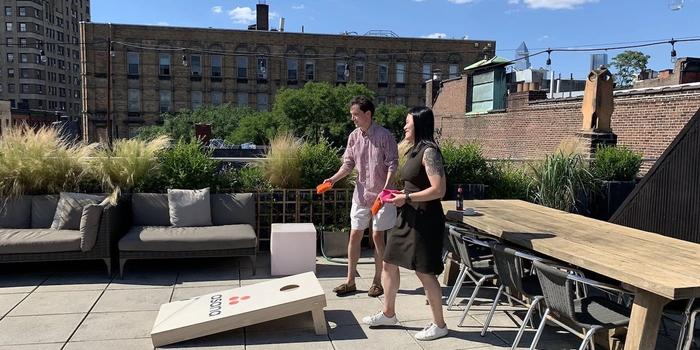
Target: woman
point(416, 241)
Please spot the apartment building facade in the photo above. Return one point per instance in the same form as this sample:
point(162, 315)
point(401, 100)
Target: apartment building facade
point(40, 54)
point(166, 69)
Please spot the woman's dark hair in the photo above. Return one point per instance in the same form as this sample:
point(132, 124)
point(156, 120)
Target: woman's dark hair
point(423, 128)
point(364, 103)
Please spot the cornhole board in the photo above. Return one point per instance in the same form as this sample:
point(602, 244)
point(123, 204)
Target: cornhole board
point(239, 307)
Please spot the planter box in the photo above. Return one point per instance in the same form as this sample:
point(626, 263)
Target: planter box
point(335, 243)
point(611, 195)
point(469, 191)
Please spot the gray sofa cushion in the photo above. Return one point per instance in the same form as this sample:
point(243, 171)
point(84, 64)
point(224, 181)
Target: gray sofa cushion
point(90, 225)
point(70, 209)
point(21, 241)
point(16, 213)
point(150, 209)
point(43, 210)
point(233, 208)
point(189, 208)
point(158, 238)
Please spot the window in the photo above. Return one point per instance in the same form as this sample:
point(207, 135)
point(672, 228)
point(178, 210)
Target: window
point(262, 68)
point(8, 11)
point(262, 101)
point(10, 72)
point(216, 65)
point(400, 73)
point(196, 99)
point(134, 100)
point(196, 65)
point(8, 26)
point(381, 100)
point(23, 58)
point(454, 70)
point(242, 99)
point(9, 42)
point(165, 100)
point(11, 88)
point(242, 67)
point(23, 11)
point(216, 98)
point(383, 73)
point(292, 69)
point(427, 69)
point(132, 61)
point(309, 70)
point(400, 100)
point(0, 87)
point(22, 27)
point(340, 67)
point(164, 64)
point(10, 57)
point(360, 72)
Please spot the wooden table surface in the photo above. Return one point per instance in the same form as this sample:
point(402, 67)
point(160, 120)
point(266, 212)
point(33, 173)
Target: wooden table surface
point(656, 267)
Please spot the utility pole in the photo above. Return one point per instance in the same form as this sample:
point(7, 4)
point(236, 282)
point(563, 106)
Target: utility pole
point(110, 52)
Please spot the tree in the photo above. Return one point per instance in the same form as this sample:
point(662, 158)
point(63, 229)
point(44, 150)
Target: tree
point(258, 128)
point(392, 117)
point(628, 65)
point(224, 121)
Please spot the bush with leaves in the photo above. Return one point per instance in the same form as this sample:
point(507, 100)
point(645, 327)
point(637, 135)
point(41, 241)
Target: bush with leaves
point(393, 118)
point(282, 166)
point(465, 164)
point(258, 128)
point(560, 181)
point(187, 165)
point(318, 161)
point(615, 163)
point(508, 181)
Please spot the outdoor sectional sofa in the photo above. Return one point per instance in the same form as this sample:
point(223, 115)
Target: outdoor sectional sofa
point(26, 234)
point(151, 235)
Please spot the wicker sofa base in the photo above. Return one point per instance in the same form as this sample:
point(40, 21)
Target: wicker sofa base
point(58, 256)
point(124, 256)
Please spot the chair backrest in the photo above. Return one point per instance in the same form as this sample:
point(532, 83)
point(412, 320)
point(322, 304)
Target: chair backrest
point(461, 247)
point(508, 266)
point(558, 289)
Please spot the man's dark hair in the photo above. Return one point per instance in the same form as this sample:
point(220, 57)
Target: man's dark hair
point(364, 103)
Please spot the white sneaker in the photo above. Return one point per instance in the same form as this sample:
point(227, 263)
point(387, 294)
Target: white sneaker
point(379, 319)
point(431, 331)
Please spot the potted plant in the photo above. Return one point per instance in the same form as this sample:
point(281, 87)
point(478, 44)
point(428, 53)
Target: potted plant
point(615, 168)
point(334, 241)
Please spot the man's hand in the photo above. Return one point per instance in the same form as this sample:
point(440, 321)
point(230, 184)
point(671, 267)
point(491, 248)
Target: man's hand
point(330, 181)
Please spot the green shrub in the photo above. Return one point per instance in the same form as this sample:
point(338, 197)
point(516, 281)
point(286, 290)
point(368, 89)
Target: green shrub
point(282, 166)
point(393, 118)
point(464, 164)
point(258, 128)
point(187, 165)
point(615, 163)
point(251, 178)
point(560, 181)
point(39, 161)
point(318, 162)
point(508, 182)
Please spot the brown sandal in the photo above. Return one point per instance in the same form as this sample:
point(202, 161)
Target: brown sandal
point(344, 289)
point(375, 290)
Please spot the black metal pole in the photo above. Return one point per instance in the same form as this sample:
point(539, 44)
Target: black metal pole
point(109, 92)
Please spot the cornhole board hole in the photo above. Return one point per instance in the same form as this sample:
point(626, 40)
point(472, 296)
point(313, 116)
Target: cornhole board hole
point(240, 307)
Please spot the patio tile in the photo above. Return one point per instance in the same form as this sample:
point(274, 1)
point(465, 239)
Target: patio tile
point(230, 340)
point(38, 329)
point(361, 284)
point(48, 346)
point(140, 274)
point(48, 303)
point(552, 338)
point(118, 344)
point(16, 282)
point(183, 293)
point(458, 338)
point(133, 300)
point(362, 337)
point(351, 311)
point(203, 272)
point(413, 307)
point(8, 301)
point(73, 281)
point(116, 325)
point(288, 340)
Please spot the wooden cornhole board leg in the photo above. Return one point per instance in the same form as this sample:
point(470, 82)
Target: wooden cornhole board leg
point(240, 307)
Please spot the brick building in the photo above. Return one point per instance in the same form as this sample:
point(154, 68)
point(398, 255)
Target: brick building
point(166, 69)
point(531, 126)
point(40, 54)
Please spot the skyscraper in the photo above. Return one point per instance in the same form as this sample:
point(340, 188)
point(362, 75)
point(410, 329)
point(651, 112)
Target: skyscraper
point(598, 59)
point(522, 56)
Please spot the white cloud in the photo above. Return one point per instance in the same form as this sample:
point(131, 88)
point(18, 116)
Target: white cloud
point(460, 2)
point(272, 15)
point(544, 37)
point(243, 15)
point(418, 0)
point(163, 24)
point(513, 2)
point(556, 4)
point(298, 7)
point(435, 36)
point(217, 9)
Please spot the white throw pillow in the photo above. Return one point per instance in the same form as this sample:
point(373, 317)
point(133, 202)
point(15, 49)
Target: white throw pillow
point(189, 208)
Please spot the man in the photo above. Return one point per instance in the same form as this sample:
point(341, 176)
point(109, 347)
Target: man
point(372, 150)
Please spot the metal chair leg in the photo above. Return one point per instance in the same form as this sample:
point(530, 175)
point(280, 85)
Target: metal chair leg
point(528, 317)
point(588, 340)
point(691, 330)
point(538, 334)
point(684, 324)
point(471, 300)
point(493, 310)
point(458, 285)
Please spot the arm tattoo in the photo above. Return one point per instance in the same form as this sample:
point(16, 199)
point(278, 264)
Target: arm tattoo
point(433, 162)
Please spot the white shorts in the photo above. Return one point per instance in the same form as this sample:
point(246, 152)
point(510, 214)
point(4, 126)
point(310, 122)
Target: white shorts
point(360, 217)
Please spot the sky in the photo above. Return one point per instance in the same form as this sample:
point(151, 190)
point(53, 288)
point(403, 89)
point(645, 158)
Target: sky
point(541, 24)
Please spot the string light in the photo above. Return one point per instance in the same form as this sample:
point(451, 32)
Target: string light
point(673, 50)
point(549, 57)
point(111, 48)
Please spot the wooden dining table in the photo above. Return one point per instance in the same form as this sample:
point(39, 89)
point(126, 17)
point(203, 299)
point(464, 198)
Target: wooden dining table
point(656, 268)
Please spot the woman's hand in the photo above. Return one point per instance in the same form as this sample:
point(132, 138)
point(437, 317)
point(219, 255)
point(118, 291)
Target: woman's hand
point(398, 200)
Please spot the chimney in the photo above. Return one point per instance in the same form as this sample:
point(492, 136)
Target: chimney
point(262, 11)
point(281, 24)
